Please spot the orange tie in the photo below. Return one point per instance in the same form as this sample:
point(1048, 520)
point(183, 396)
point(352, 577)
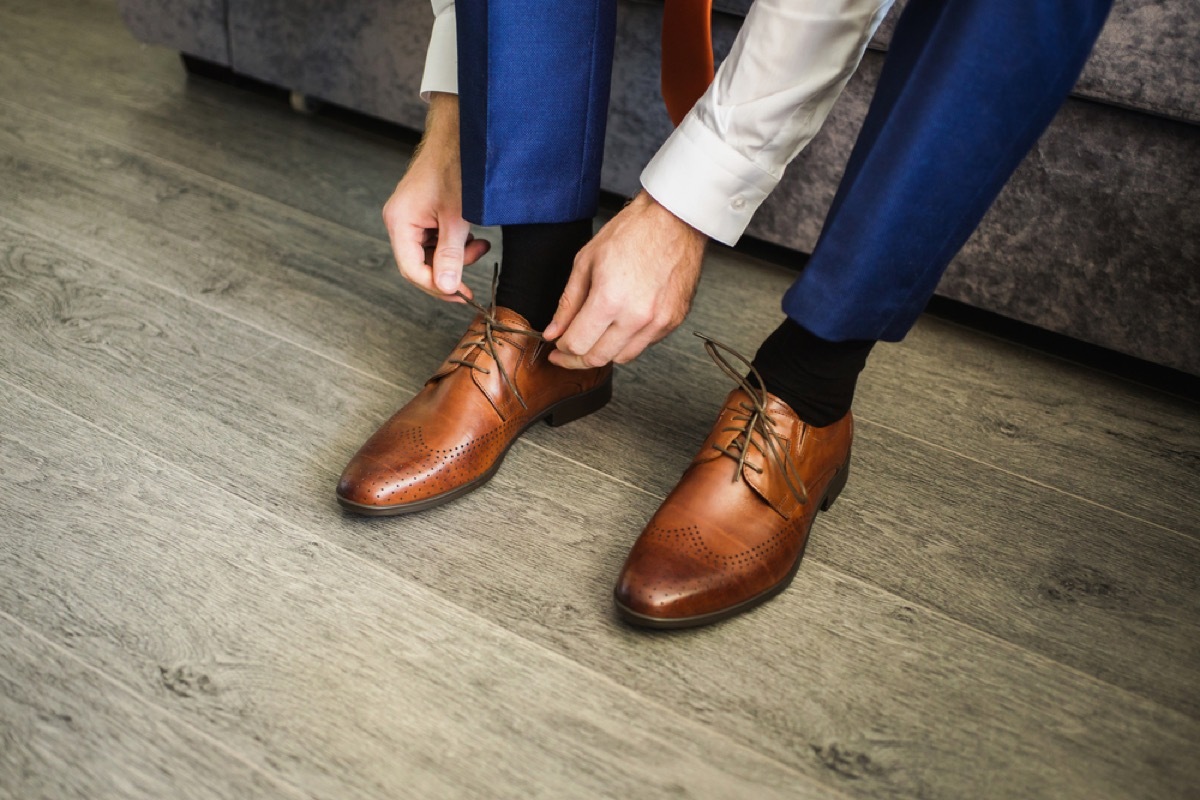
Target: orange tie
point(687, 54)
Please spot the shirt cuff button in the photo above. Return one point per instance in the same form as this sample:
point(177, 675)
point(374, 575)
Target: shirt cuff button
point(738, 202)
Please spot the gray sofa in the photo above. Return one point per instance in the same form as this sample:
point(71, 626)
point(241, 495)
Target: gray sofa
point(1097, 236)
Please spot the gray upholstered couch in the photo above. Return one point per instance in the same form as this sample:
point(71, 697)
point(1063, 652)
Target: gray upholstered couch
point(1097, 236)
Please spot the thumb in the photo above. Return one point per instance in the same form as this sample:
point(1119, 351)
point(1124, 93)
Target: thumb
point(448, 257)
point(572, 299)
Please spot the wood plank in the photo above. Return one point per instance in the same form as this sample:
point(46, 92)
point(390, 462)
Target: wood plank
point(647, 436)
point(208, 240)
point(66, 731)
point(1023, 412)
point(850, 685)
point(41, 309)
point(322, 669)
point(103, 81)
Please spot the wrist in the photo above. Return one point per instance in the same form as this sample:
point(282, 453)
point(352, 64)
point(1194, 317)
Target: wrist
point(441, 127)
point(443, 108)
point(643, 201)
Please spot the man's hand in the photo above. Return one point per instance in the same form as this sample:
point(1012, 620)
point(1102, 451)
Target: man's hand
point(430, 238)
point(631, 286)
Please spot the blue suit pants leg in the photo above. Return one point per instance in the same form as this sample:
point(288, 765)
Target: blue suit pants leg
point(967, 88)
point(533, 80)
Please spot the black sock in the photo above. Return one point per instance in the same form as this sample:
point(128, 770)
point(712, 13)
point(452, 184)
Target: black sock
point(814, 376)
point(537, 263)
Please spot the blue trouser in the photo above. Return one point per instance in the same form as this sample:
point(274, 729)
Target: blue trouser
point(533, 79)
point(966, 89)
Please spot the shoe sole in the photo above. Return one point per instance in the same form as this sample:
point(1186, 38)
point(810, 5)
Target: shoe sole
point(557, 415)
point(674, 623)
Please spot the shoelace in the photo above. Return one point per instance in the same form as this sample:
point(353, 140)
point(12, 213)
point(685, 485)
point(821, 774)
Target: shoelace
point(754, 420)
point(488, 343)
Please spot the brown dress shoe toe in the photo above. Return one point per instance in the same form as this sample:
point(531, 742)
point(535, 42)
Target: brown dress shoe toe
point(732, 532)
point(452, 436)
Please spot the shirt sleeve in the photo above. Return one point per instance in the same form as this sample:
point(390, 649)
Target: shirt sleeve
point(788, 66)
point(441, 59)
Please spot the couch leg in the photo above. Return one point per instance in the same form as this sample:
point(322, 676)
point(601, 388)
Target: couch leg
point(303, 104)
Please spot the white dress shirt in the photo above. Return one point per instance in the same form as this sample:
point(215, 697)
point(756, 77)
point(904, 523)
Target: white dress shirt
point(790, 62)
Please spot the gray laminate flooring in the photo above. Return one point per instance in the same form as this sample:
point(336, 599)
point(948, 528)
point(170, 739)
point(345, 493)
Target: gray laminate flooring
point(199, 323)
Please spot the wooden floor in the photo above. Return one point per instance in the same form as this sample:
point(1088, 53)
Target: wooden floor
point(199, 323)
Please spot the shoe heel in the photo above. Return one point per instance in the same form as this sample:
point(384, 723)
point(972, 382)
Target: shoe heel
point(836, 485)
point(581, 405)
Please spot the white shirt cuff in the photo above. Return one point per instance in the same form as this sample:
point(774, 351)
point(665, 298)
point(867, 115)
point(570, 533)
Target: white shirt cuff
point(441, 59)
point(706, 183)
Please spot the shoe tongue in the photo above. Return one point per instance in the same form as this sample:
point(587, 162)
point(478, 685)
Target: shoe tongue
point(510, 318)
point(776, 408)
point(476, 331)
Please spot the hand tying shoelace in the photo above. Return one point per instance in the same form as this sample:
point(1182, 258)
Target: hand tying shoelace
point(755, 420)
point(488, 343)
point(452, 435)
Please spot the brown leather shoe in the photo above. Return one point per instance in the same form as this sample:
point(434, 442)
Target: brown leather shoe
point(452, 436)
point(731, 534)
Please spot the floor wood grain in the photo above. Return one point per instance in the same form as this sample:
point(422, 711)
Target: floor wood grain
point(317, 667)
point(321, 311)
point(200, 321)
point(538, 556)
point(72, 732)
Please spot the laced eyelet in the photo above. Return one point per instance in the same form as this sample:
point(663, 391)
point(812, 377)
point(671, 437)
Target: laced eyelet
point(488, 342)
point(769, 443)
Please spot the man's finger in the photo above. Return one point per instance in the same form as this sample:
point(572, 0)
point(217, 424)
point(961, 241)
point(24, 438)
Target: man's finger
point(571, 301)
point(591, 323)
point(409, 253)
point(475, 249)
point(613, 341)
point(638, 343)
point(448, 257)
point(412, 257)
